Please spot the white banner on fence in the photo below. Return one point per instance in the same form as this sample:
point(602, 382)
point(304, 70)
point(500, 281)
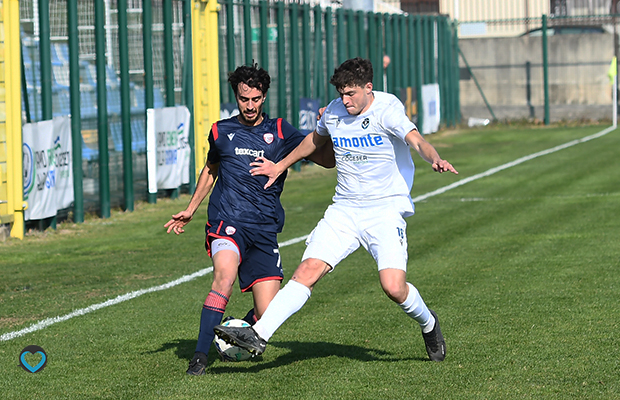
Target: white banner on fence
point(167, 147)
point(432, 113)
point(48, 170)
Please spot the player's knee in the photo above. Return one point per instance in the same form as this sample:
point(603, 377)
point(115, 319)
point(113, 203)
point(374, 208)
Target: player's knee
point(223, 285)
point(310, 271)
point(395, 291)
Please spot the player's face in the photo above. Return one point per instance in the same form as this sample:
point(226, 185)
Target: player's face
point(356, 99)
point(250, 102)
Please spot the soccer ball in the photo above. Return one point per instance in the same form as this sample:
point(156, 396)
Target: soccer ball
point(227, 351)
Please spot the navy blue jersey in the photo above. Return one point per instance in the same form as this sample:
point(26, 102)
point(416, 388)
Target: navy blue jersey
point(237, 195)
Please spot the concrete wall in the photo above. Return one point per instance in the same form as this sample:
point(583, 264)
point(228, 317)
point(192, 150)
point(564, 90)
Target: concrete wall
point(578, 83)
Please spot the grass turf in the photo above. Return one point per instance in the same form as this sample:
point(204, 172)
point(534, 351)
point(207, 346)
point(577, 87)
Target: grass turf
point(521, 266)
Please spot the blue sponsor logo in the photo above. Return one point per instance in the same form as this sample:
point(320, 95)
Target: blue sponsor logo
point(364, 141)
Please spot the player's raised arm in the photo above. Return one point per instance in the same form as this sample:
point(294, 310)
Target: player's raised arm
point(203, 187)
point(309, 145)
point(428, 152)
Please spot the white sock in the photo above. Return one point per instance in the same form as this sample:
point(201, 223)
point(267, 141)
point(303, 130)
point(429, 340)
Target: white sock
point(415, 308)
point(287, 302)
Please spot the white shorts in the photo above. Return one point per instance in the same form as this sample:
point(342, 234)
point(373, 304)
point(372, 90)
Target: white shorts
point(381, 230)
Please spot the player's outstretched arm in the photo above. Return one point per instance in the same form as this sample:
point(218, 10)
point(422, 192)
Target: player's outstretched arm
point(203, 187)
point(428, 152)
point(263, 166)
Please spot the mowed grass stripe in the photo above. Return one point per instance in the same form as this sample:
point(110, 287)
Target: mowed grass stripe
point(186, 278)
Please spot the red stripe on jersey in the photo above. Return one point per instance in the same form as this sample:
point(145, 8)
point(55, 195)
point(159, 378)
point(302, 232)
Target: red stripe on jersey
point(270, 278)
point(280, 134)
point(219, 227)
point(214, 130)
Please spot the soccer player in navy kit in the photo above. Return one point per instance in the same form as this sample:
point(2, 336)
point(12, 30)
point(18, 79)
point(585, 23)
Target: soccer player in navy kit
point(244, 217)
point(372, 138)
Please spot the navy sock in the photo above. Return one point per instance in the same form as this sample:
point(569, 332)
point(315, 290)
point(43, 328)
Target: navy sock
point(212, 313)
point(250, 318)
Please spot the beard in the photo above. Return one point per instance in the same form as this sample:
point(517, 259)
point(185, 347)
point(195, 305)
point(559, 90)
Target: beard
point(251, 120)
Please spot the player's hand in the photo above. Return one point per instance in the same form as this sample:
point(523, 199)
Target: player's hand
point(321, 111)
point(443, 166)
point(265, 167)
point(178, 221)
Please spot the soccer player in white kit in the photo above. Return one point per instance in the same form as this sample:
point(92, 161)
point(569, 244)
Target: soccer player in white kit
point(372, 137)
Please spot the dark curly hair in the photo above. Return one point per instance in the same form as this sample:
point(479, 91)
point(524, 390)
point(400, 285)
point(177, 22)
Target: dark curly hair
point(254, 77)
point(353, 72)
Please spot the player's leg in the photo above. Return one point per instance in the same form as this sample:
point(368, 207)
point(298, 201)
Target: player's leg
point(292, 297)
point(225, 257)
point(386, 240)
point(263, 293)
point(329, 243)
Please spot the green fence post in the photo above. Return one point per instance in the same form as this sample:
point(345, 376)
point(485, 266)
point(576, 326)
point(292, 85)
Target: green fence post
point(169, 65)
point(389, 50)
point(361, 34)
point(45, 60)
point(230, 44)
point(329, 56)
point(412, 55)
point(351, 33)
point(281, 62)
point(372, 48)
point(420, 61)
point(102, 111)
point(319, 86)
point(147, 50)
point(264, 41)
point(432, 74)
point(168, 54)
point(123, 50)
point(76, 118)
point(398, 53)
point(457, 75)
point(247, 31)
point(294, 46)
point(380, 51)
point(340, 26)
point(545, 57)
point(188, 80)
point(404, 82)
point(305, 39)
point(440, 69)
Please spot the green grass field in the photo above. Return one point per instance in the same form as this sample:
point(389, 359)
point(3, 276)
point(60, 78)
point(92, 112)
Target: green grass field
point(522, 267)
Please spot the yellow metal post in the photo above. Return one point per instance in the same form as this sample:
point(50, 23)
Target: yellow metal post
point(206, 75)
point(11, 175)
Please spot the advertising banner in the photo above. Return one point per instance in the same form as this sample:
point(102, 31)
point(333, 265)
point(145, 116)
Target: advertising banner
point(48, 170)
point(308, 111)
point(432, 113)
point(167, 147)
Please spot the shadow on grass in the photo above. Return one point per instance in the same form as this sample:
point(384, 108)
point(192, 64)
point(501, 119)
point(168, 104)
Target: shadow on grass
point(299, 351)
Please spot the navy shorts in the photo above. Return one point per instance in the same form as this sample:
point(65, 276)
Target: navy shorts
point(258, 251)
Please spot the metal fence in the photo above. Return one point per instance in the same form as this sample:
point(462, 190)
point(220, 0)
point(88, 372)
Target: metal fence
point(168, 53)
point(301, 45)
point(562, 75)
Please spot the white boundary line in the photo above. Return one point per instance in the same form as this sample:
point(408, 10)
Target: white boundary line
point(186, 278)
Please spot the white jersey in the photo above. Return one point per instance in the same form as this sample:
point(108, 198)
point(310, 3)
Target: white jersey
point(372, 158)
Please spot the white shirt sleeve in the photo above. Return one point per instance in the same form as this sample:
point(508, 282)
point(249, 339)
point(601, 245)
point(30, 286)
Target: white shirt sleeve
point(395, 120)
point(328, 116)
